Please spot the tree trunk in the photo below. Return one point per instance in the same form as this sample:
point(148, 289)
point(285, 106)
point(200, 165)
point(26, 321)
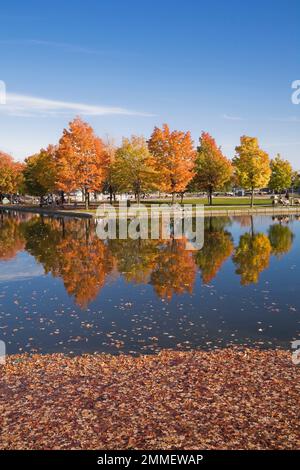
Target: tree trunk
point(86, 200)
point(210, 197)
point(252, 226)
point(110, 194)
point(138, 198)
point(181, 198)
point(252, 197)
point(173, 198)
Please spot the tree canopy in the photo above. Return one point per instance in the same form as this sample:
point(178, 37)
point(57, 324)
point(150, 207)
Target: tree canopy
point(252, 165)
point(281, 174)
point(213, 170)
point(11, 174)
point(133, 168)
point(174, 157)
point(81, 159)
point(40, 173)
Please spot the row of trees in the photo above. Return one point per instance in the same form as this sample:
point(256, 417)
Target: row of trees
point(167, 162)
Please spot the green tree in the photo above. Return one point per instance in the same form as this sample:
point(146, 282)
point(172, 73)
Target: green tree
point(252, 165)
point(213, 169)
point(40, 173)
point(281, 176)
point(133, 169)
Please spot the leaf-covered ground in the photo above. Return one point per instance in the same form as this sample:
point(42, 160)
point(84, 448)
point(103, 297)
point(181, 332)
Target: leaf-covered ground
point(225, 399)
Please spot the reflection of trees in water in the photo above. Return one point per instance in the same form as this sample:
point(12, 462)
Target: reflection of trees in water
point(11, 237)
point(84, 265)
point(135, 259)
point(174, 271)
point(71, 250)
point(252, 256)
point(42, 238)
point(281, 239)
point(218, 246)
point(165, 264)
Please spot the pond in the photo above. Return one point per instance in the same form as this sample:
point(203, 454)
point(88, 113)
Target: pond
point(62, 289)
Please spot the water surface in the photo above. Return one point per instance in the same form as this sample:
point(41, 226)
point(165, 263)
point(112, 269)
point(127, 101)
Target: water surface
point(64, 290)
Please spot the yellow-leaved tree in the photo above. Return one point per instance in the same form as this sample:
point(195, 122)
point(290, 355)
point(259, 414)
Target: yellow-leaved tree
point(40, 172)
point(252, 165)
point(133, 168)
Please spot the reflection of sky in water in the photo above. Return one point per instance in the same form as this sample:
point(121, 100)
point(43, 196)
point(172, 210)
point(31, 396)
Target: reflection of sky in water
point(20, 268)
point(74, 294)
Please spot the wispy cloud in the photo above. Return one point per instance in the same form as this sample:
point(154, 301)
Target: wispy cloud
point(30, 106)
point(288, 119)
point(60, 45)
point(232, 118)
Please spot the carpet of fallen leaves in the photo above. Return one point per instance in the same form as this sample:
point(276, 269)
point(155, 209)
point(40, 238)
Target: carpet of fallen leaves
point(223, 399)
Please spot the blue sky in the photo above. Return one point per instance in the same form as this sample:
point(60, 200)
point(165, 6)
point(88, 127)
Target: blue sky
point(225, 67)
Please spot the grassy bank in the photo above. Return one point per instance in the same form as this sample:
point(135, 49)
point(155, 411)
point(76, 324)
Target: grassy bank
point(227, 399)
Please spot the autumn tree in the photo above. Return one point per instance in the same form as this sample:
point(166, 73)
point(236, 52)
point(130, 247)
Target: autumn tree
point(281, 174)
point(252, 165)
point(174, 157)
point(213, 170)
point(134, 167)
point(40, 173)
point(11, 176)
point(81, 160)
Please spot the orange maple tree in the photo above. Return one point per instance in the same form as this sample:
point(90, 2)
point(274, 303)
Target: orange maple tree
point(81, 159)
point(174, 157)
point(11, 176)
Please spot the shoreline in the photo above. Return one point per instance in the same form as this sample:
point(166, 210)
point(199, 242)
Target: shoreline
point(223, 399)
point(208, 212)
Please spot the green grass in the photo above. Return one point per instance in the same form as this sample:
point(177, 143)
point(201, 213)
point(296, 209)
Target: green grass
point(218, 203)
point(229, 201)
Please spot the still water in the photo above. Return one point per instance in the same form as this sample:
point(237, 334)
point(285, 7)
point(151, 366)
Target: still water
point(64, 290)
